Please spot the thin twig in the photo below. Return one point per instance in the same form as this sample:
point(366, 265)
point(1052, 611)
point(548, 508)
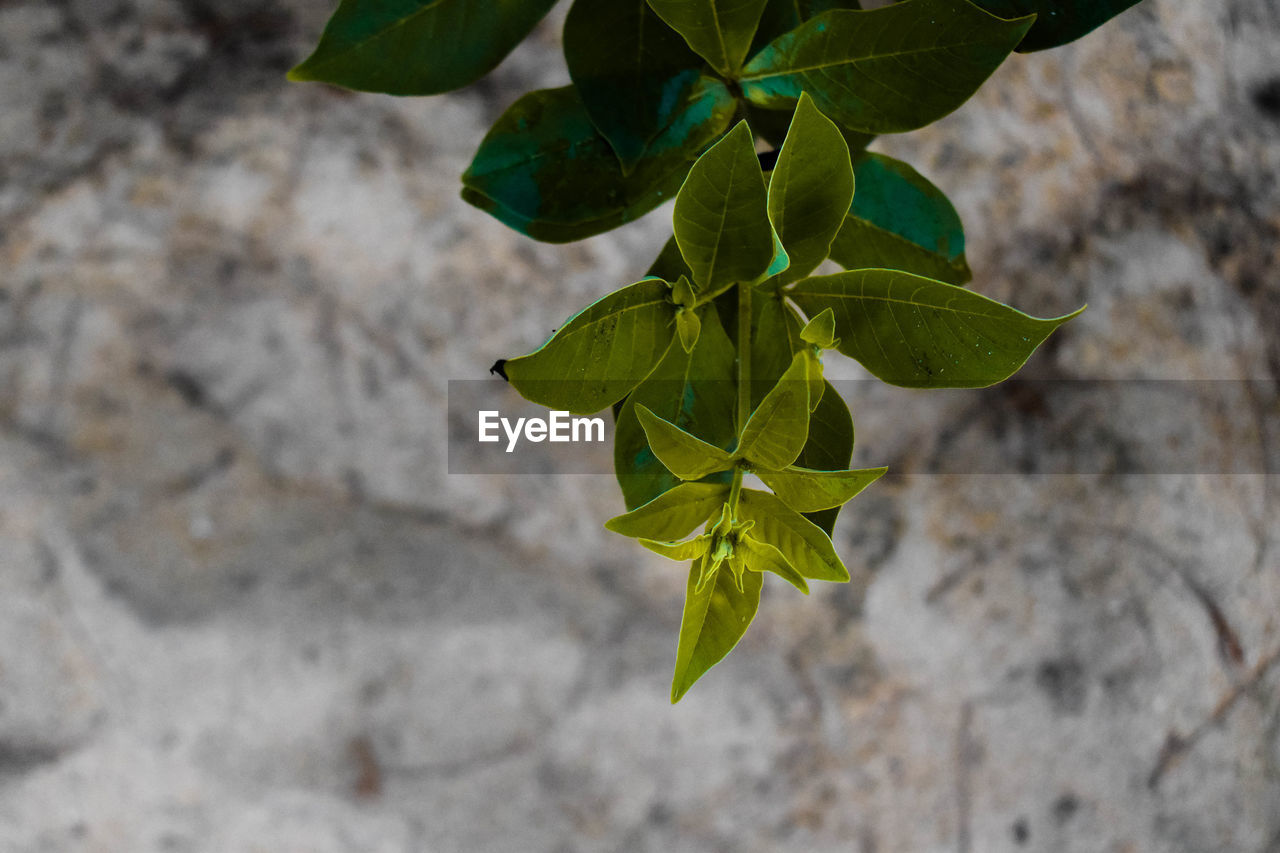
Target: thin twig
point(1176, 746)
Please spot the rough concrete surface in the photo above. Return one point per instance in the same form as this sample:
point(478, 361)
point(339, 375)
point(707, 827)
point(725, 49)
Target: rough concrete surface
point(243, 607)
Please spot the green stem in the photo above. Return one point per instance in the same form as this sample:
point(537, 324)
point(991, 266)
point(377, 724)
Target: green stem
point(744, 382)
point(744, 354)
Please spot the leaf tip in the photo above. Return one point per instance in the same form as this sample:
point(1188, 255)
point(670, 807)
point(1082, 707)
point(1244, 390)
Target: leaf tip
point(500, 368)
point(299, 73)
point(680, 686)
point(1074, 314)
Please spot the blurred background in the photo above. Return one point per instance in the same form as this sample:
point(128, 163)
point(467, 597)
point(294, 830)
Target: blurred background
point(244, 607)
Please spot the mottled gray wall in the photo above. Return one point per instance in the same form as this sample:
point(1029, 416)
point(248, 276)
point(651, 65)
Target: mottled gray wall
point(244, 608)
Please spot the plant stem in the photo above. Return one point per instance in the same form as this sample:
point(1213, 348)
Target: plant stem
point(744, 382)
point(744, 355)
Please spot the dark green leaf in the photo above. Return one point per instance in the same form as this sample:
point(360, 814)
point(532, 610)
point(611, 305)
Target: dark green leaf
point(772, 125)
point(696, 392)
point(810, 189)
point(417, 47)
point(920, 333)
point(670, 263)
point(803, 543)
point(685, 455)
point(830, 446)
point(1057, 21)
point(721, 215)
point(807, 490)
point(714, 620)
point(634, 74)
point(783, 16)
point(776, 431)
point(885, 70)
point(672, 515)
point(602, 353)
point(545, 170)
point(719, 30)
point(900, 221)
point(775, 338)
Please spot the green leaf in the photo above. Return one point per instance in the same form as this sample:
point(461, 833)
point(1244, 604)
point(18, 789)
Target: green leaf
point(601, 353)
point(803, 543)
point(810, 189)
point(634, 74)
point(417, 47)
point(776, 431)
point(830, 446)
point(781, 260)
point(885, 70)
point(688, 550)
point(807, 490)
point(721, 215)
point(783, 16)
point(900, 221)
point(775, 338)
point(682, 293)
point(1057, 21)
point(669, 264)
point(719, 30)
point(545, 170)
point(763, 557)
point(688, 327)
point(696, 392)
point(672, 515)
point(714, 620)
point(813, 375)
point(685, 455)
point(821, 330)
point(918, 333)
point(772, 125)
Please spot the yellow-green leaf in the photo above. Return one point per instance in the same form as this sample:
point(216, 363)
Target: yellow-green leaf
point(715, 618)
point(810, 189)
point(802, 542)
point(763, 557)
point(673, 514)
point(601, 353)
point(920, 333)
point(695, 391)
point(685, 455)
point(778, 428)
point(688, 550)
point(721, 216)
point(807, 490)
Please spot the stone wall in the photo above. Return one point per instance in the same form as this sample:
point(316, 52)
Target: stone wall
point(243, 606)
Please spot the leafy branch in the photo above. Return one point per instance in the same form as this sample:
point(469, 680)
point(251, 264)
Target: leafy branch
point(712, 363)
